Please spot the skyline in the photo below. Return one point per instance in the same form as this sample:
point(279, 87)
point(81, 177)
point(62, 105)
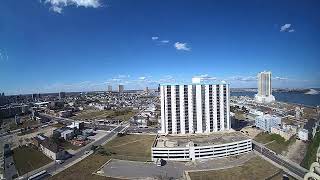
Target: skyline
point(73, 45)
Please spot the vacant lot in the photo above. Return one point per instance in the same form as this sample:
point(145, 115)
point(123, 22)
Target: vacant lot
point(255, 168)
point(124, 114)
point(27, 159)
point(275, 142)
point(131, 147)
point(84, 169)
point(25, 122)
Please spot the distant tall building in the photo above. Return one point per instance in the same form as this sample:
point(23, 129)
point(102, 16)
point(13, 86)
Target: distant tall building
point(146, 89)
point(35, 97)
point(121, 88)
point(264, 88)
point(62, 95)
point(194, 108)
point(109, 88)
point(3, 99)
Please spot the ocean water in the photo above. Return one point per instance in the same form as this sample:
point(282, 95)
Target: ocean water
point(289, 97)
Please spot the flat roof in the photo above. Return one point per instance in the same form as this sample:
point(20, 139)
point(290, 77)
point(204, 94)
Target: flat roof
point(202, 83)
point(200, 140)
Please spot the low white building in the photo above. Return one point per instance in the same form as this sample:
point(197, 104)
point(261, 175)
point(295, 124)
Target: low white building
point(76, 124)
point(255, 112)
point(285, 133)
point(265, 122)
point(67, 134)
point(303, 134)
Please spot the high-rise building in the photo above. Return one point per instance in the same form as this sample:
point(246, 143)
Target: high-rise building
point(194, 108)
point(109, 88)
point(3, 99)
point(62, 95)
point(264, 88)
point(121, 88)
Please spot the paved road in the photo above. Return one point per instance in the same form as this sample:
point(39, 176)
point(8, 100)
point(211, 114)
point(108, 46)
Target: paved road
point(10, 170)
point(294, 168)
point(52, 167)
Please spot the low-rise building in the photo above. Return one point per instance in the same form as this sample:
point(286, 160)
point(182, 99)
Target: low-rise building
point(265, 122)
point(285, 133)
point(303, 134)
point(77, 124)
point(36, 141)
point(87, 132)
point(52, 150)
point(67, 134)
point(65, 114)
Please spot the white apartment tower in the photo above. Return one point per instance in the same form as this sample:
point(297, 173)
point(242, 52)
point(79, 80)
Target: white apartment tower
point(194, 108)
point(264, 88)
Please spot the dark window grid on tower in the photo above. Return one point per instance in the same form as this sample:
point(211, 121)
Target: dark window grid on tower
point(186, 110)
point(203, 103)
point(210, 108)
point(218, 107)
point(178, 108)
point(169, 110)
point(194, 108)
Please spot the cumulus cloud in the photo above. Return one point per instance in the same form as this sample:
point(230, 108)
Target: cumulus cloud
point(291, 30)
point(280, 78)
point(206, 77)
point(154, 37)
point(286, 28)
point(182, 46)
point(58, 5)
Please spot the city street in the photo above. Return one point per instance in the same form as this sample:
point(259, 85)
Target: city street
point(53, 167)
point(294, 168)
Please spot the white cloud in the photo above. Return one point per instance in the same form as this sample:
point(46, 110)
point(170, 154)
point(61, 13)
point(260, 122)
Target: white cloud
point(280, 78)
point(165, 41)
point(286, 28)
point(58, 5)
point(155, 38)
point(56, 9)
point(142, 78)
point(206, 77)
point(122, 76)
point(182, 46)
point(291, 30)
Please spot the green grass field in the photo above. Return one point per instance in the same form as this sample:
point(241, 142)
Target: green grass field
point(276, 143)
point(131, 147)
point(255, 168)
point(83, 170)
point(124, 114)
point(311, 151)
point(27, 159)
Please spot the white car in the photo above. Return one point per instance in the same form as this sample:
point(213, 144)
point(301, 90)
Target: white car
point(60, 161)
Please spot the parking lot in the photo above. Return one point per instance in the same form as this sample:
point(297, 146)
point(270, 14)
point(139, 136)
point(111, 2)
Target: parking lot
point(142, 170)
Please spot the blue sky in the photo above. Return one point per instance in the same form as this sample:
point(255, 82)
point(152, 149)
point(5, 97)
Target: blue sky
point(81, 45)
